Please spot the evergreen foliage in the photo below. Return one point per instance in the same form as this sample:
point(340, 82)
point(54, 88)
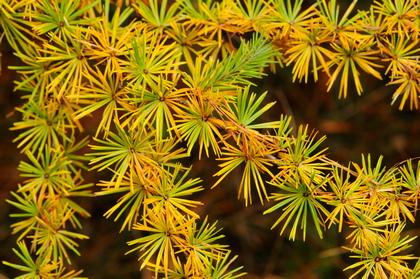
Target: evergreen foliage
point(172, 77)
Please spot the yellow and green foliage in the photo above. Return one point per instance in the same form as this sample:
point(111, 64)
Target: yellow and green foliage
point(173, 78)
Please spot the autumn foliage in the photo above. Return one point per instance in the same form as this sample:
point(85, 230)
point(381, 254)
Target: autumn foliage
point(175, 79)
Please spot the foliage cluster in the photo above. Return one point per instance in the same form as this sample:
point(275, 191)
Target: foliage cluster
point(169, 79)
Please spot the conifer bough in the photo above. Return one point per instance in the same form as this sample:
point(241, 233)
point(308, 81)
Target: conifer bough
point(169, 78)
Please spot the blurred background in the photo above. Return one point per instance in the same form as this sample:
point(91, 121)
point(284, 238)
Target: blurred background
point(359, 124)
